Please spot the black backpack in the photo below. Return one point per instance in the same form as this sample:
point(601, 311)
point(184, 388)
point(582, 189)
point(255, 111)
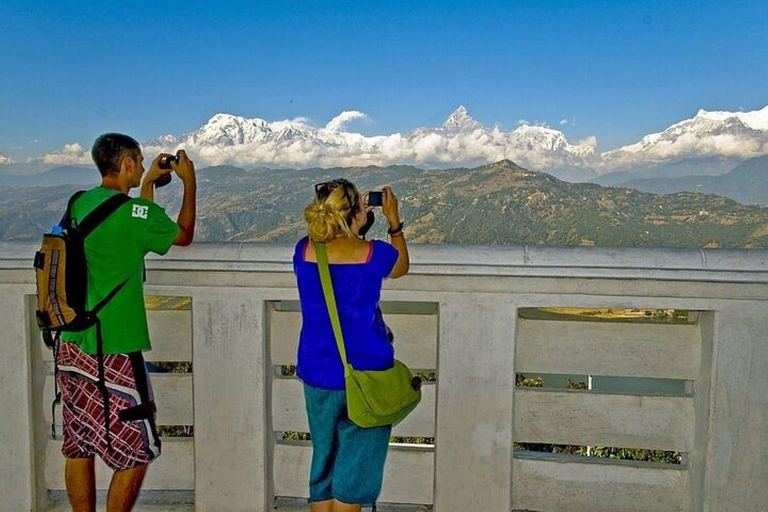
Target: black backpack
point(62, 287)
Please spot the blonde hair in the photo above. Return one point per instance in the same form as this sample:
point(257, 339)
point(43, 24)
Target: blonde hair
point(330, 217)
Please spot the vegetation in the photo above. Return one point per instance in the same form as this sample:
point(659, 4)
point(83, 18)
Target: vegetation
point(499, 203)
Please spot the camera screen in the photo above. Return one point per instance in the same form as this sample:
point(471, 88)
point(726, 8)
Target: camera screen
point(374, 198)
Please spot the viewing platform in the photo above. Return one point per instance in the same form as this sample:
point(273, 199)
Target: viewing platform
point(697, 387)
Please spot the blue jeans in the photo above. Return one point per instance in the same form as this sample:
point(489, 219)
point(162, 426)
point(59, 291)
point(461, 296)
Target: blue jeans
point(347, 461)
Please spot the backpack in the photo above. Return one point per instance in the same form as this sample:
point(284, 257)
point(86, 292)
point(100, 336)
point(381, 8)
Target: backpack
point(62, 287)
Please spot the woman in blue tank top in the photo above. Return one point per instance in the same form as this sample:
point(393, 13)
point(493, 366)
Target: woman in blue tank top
point(347, 461)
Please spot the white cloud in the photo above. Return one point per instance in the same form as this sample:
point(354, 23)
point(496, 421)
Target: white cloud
point(70, 154)
point(4, 160)
point(295, 143)
point(462, 141)
point(338, 123)
point(563, 122)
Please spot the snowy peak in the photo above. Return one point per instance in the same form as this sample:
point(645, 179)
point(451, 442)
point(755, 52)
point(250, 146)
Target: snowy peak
point(460, 122)
point(230, 130)
point(709, 134)
point(756, 119)
point(548, 139)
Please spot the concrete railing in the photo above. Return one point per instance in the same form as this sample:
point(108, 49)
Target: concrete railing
point(457, 313)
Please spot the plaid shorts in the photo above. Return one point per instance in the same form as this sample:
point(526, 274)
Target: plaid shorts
point(133, 437)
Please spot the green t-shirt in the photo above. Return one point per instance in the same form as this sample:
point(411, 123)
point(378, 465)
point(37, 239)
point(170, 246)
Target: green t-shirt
point(115, 251)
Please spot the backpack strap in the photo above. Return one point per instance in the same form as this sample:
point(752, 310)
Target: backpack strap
point(68, 213)
point(85, 228)
point(102, 382)
point(56, 390)
point(100, 213)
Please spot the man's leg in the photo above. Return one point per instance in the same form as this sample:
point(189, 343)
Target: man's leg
point(80, 478)
point(124, 488)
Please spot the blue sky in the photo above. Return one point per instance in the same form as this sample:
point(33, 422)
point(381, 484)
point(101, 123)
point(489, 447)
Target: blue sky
point(615, 70)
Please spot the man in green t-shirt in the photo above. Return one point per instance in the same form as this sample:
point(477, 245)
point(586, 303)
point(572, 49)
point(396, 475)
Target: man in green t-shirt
point(126, 439)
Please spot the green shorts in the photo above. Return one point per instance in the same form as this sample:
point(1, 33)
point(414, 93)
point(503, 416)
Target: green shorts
point(347, 461)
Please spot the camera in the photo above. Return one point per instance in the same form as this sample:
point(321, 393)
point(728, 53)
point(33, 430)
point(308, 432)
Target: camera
point(165, 163)
point(375, 198)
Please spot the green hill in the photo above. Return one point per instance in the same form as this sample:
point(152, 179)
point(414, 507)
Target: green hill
point(500, 203)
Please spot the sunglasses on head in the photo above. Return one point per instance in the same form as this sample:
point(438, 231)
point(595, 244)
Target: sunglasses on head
point(323, 190)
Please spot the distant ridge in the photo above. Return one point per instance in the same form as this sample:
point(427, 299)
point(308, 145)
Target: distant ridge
point(747, 183)
point(64, 175)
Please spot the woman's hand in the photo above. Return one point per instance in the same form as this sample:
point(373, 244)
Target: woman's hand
point(365, 203)
point(389, 207)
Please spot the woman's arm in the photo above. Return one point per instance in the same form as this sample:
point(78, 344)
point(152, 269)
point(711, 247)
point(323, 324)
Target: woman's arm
point(403, 263)
point(391, 212)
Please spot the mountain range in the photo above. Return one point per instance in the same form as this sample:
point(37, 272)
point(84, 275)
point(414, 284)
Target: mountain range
point(499, 203)
point(64, 175)
point(710, 143)
point(747, 183)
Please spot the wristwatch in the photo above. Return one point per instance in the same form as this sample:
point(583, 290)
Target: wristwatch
point(397, 230)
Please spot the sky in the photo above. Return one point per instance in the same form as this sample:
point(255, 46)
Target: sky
point(614, 70)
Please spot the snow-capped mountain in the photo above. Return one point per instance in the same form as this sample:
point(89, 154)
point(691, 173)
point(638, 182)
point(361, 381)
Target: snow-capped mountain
point(708, 143)
point(713, 140)
point(460, 122)
point(461, 140)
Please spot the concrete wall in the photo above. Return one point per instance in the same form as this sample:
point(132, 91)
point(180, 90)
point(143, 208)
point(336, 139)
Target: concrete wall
point(457, 313)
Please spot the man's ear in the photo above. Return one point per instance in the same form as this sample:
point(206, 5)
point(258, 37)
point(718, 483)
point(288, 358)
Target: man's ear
point(127, 165)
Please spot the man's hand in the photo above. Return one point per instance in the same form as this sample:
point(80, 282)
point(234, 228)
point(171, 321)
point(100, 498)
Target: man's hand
point(155, 171)
point(185, 169)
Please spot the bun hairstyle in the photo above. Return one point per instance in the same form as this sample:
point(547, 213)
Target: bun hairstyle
point(332, 216)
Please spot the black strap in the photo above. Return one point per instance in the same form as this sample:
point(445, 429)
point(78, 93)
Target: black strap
point(109, 297)
point(91, 222)
point(100, 213)
point(56, 390)
point(142, 411)
point(102, 384)
point(68, 213)
point(85, 228)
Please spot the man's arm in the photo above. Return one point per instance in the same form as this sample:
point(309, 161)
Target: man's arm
point(185, 169)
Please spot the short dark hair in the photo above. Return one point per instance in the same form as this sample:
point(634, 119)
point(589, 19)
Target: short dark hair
point(110, 149)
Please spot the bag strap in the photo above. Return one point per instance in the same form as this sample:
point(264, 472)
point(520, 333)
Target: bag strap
point(68, 212)
point(90, 223)
point(56, 390)
point(330, 301)
point(110, 296)
point(101, 213)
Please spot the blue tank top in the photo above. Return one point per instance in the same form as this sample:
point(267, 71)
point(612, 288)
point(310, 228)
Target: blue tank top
point(357, 287)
